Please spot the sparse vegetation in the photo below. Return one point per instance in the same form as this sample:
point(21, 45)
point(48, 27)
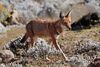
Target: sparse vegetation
point(78, 45)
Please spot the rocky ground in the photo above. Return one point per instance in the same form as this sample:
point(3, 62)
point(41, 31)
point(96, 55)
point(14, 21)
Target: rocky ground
point(80, 46)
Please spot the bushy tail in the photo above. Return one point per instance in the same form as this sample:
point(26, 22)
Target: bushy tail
point(24, 38)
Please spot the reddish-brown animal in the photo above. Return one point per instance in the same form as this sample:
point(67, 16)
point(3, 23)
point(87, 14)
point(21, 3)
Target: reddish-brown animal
point(46, 28)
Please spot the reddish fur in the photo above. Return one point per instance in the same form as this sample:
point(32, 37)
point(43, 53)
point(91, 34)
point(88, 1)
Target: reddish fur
point(46, 28)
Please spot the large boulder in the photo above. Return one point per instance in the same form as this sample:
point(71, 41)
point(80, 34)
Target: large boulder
point(31, 9)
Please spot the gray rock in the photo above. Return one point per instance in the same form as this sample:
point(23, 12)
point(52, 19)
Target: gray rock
point(2, 65)
point(2, 28)
point(6, 55)
point(95, 4)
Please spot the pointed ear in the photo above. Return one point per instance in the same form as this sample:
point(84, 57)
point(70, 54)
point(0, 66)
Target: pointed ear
point(61, 16)
point(68, 14)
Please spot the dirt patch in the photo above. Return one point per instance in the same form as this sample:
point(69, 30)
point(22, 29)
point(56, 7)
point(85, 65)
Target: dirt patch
point(12, 33)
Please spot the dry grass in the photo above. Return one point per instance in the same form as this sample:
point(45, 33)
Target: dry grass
point(11, 34)
point(93, 33)
point(69, 38)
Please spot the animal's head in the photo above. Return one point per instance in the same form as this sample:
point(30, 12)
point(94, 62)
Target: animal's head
point(66, 20)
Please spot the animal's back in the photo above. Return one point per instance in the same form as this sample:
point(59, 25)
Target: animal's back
point(44, 28)
point(38, 28)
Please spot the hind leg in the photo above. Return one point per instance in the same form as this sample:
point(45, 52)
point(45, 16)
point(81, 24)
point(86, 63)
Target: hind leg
point(31, 36)
point(32, 41)
point(24, 38)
